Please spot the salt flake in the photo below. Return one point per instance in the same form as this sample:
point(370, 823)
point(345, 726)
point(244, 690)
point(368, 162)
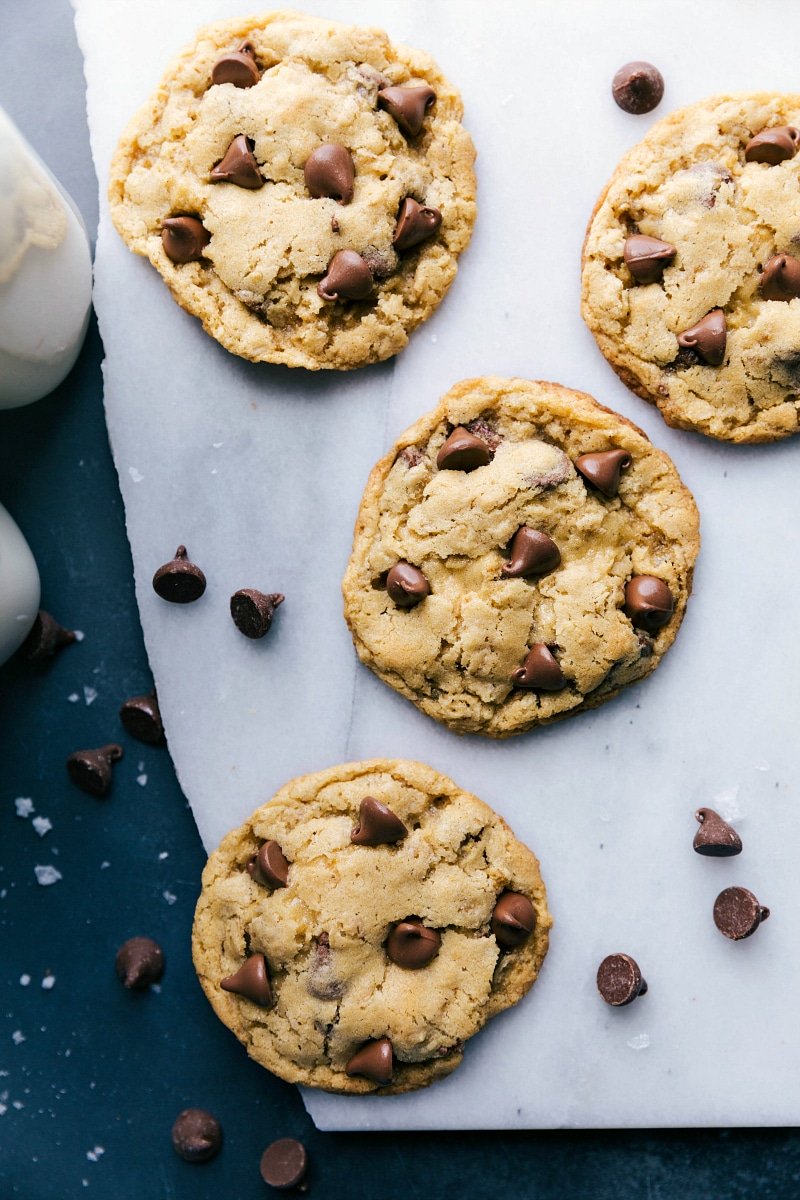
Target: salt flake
point(24, 980)
point(639, 1041)
point(42, 825)
point(18, 1037)
point(24, 806)
point(135, 475)
point(45, 875)
point(48, 982)
point(141, 780)
point(89, 695)
point(170, 897)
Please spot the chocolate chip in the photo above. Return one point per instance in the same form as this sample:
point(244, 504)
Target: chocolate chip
point(415, 223)
point(708, 337)
point(139, 962)
point(619, 980)
point(603, 469)
point(269, 866)
point(91, 769)
point(179, 581)
point(348, 278)
point(45, 639)
point(648, 602)
point(196, 1135)
point(141, 718)
point(513, 920)
point(781, 278)
point(284, 1164)
point(237, 67)
point(330, 171)
point(253, 611)
point(646, 257)
point(540, 670)
point(375, 1061)
point(715, 838)
point(377, 825)
point(532, 553)
point(238, 165)
point(773, 146)
point(407, 585)
point(322, 981)
point(463, 451)
point(335, 225)
point(412, 945)
point(184, 239)
point(251, 981)
point(408, 106)
point(638, 87)
point(737, 913)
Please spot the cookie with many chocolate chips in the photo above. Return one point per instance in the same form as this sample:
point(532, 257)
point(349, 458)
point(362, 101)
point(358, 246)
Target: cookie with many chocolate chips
point(410, 915)
point(546, 551)
point(304, 188)
point(691, 271)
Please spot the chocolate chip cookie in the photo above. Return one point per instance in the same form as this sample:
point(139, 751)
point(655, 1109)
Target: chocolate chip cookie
point(691, 268)
point(520, 554)
point(304, 188)
point(359, 927)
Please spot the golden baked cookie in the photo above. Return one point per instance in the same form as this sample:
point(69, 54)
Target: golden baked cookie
point(304, 188)
point(359, 927)
point(520, 554)
point(691, 268)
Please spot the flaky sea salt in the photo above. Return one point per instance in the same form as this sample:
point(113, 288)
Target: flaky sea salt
point(18, 1037)
point(48, 982)
point(24, 806)
point(639, 1041)
point(24, 980)
point(79, 635)
point(89, 695)
point(73, 697)
point(727, 805)
point(170, 897)
point(42, 825)
point(45, 875)
point(141, 780)
point(95, 1154)
point(135, 475)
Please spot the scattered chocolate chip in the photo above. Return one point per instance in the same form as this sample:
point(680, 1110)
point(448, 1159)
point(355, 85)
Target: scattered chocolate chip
point(412, 945)
point(408, 106)
point(330, 171)
point(348, 278)
point(619, 980)
point(375, 1061)
point(638, 87)
point(179, 581)
point(377, 825)
point(196, 1135)
point(646, 257)
point(251, 981)
point(708, 337)
point(237, 67)
point(532, 553)
point(715, 838)
point(91, 769)
point(269, 866)
point(184, 239)
point(407, 585)
point(45, 639)
point(284, 1165)
point(141, 718)
point(463, 451)
point(513, 920)
point(781, 278)
point(238, 165)
point(540, 670)
point(773, 146)
point(253, 611)
point(139, 962)
point(737, 913)
point(415, 223)
point(603, 469)
point(648, 602)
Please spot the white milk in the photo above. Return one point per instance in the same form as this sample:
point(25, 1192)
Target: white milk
point(19, 587)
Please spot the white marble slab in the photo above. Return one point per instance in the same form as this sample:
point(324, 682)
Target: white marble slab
point(259, 471)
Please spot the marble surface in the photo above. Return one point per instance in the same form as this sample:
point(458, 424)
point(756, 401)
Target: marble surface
point(259, 470)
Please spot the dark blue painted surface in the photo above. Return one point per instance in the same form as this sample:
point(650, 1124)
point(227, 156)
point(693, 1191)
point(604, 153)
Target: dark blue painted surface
point(102, 1068)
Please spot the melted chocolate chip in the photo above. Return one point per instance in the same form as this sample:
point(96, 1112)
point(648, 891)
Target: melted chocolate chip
point(377, 825)
point(513, 920)
point(374, 1061)
point(619, 980)
point(184, 239)
point(141, 718)
point(45, 639)
point(238, 165)
point(603, 469)
point(646, 257)
point(269, 866)
point(251, 981)
point(237, 67)
point(284, 1165)
point(773, 146)
point(648, 602)
point(781, 278)
point(322, 981)
point(638, 87)
point(91, 771)
point(408, 106)
point(407, 585)
point(179, 581)
point(715, 838)
point(463, 451)
point(348, 278)
point(708, 337)
point(330, 171)
point(532, 553)
point(415, 224)
point(139, 962)
point(196, 1135)
point(412, 945)
point(253, 611)
point(737, 913)
point(540, 670)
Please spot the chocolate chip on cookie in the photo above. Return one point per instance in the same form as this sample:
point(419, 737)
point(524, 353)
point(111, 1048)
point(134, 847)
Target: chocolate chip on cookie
point(348, 277)
point(91, 770)
point(715, 838)
point(238, 165)
point(781, 278)
point(619, 980)
point(179, 581)
point(269, 865)
point(737, 913)
point(330, 171)
point(196, 1135)
point(463, 451)
point(773, 145)
point(412, 945)
point(377, 825)
point(415, 224)
point(407, 585)
point(238, 67)
point(532, 553)
point(540, 670)
point(638, 87)
point(251, 981)
point(708, 337)
point(513, 920)
point(647, 257)
point(253, 611)
point(375, 1061)
point(184, 239)
point(408, 106)
point(284, 1165)
point(603, 469)
point(648, 602)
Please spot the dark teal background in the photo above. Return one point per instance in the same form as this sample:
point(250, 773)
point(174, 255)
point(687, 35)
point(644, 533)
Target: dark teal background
point(101, 1067)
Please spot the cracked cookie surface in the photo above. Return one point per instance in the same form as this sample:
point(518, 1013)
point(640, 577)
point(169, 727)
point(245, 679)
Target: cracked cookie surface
point(268, 240)
point(575, 628)
point(323, 935)
point(689, 184)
